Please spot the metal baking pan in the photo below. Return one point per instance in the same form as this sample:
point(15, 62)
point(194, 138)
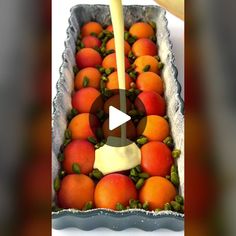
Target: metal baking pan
point(117, 220)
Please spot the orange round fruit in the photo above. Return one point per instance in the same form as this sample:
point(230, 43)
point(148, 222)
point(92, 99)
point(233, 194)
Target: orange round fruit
point(113, 189)
point(144, 47)
point(110, 62)
point(87, 100)
point(75, 191)
point(151, 103)
point(83, 126)
point(88, 57)
point(109, 28)
point(113, 84)
point(143, 61)
point(91, 41)
point(157, 191)
point(155, 128)
point(91, 74)
point(111, 45)
point(150, 81)
point(141, 30)
point(130, 130)
point(80, 152)
point(91, 27)
point(156, 158)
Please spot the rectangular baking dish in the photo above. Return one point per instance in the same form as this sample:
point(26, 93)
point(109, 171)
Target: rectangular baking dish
point(137, 218)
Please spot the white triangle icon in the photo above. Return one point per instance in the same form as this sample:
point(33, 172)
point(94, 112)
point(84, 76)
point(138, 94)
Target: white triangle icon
point(117, 118)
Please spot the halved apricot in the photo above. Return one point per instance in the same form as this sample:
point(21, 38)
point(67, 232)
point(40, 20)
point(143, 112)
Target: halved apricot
point(157, 191)
point(91, 74)
point(110, 62)
point(91, 27)
point(109, 28)
point(142, 62)
point(113, 189)
point(91, 41)
point(111, 45)
point(144, 47)
point(87, 100)
point(80, 152)
point(141, 30)
point(156, 158)
point(88, 57)
point(155, 128)
point(113, 84)
point(150, 81)
point(83, 126)
point(75, 191)
point(151, 103)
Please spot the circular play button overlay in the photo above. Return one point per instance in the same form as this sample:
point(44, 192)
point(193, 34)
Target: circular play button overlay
point(116, 119)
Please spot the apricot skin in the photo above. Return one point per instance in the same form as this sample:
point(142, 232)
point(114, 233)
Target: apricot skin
point(75, 191)
point(91, 27)
point(91, 41)
point(113, 189)
point(141, 30)
point(92, 74)
point(81, 152)
point(110, 62)
point(87, 100)
point(83, 126)
point(144, 47)
point(88, 57)
point(151, 103)
point(154, 127)
point(157, 191)
point(150, 81)
point(156, 158)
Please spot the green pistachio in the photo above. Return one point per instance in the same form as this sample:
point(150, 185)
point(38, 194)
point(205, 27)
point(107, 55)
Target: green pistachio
point(133, 172)
point(97, 174)
point(174, 177)
point(145, 205)
point(108, 71)
point(144, 175)
point(85, 81)
point(179, 199)
point(67, 134)
point(176, 153)
point(76, 168)
point(75, 70)
point(88, 206)
point(142, 140)
point(60, 157)
point(92, 140)
point(140, 183)
point(57, 184)
point(146, 68)
point(101, 69)
point(167, 207)
point(138, 168)
point(175, 205)
point(126, 35)
point(160, 65)
point(119, 207)
point(66, 142)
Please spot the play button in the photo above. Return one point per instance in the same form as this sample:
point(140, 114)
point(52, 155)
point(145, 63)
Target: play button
point(117, 118)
